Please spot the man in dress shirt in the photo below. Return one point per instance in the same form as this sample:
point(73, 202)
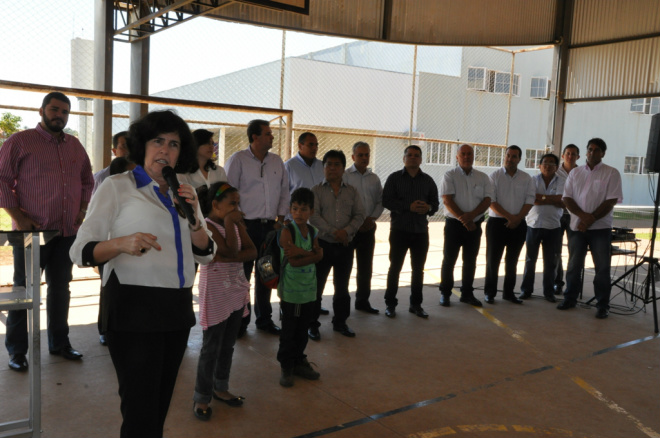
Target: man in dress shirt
point(544, 227)
point(305, 170)
point(506, 228)
point(411, 196)
point(338, 214)
point(466, 194)
point(590, 194)
point(569, 162)
point(263, 183)
point(45, 184)
point(119, 149)
point(368, 185)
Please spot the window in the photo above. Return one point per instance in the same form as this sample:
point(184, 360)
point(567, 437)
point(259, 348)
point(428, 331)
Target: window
point(634, 165)
point(487, 156)
point(533, 158)
point(649, 105)
point(502, 81)
point(540, 88)
point(438, 153)
point(476, 78)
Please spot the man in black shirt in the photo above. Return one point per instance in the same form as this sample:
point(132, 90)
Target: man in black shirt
point(411, 196)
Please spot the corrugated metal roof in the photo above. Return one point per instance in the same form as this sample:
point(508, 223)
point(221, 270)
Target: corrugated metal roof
point(597, 20)
point(432, 22)
point(630, 68)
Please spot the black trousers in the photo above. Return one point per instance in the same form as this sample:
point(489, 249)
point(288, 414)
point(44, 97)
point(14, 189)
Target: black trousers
point(457, 237)
point(147, 365)
point(339, 258)
point(263, 310)
point(565, 225)
point(400, 243)
point(364, 244)
point(499, 238)
point(293, 337)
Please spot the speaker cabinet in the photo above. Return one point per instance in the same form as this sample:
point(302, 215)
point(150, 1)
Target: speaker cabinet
point(652, 162)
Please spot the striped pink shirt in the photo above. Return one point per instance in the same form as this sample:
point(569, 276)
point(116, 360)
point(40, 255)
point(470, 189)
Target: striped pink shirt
point(46, 177)
point(223, 288)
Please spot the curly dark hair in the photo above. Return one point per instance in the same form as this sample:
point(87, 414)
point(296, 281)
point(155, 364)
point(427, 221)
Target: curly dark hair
point(156, 123)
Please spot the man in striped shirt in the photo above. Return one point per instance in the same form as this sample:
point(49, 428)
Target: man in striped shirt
point(45, 184)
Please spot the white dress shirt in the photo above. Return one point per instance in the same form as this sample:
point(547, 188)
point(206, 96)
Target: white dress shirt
point(302, 175)
point(546, 216)
point(369, 187)
point(264, 186)
point(197, 179)
point(512, 192)
point(590, 188)
point(125, 204)
point(468, 189)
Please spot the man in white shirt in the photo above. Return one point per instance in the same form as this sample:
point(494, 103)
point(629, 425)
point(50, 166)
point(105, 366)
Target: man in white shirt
point(305, 170)
point(590, 194)
point(263, 183)
point(544, 227)
point(569, 157)
point(370, 188)
point(506, 227)
point(466, 194)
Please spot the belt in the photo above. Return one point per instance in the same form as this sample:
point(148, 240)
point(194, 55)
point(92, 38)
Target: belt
point(263, 221)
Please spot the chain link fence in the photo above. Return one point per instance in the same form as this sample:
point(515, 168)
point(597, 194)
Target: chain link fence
point(388, 95)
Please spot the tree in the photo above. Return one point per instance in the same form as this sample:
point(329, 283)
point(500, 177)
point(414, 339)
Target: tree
point(9, 124)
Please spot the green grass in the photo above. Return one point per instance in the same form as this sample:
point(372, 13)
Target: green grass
point(647, 236)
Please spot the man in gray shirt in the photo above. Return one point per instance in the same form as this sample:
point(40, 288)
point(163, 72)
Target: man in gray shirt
point(338, 214)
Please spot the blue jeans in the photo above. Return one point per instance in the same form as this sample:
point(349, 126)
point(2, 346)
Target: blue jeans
point(216, 356)
point(58, 266)
point(600, 243)
point(551, 240)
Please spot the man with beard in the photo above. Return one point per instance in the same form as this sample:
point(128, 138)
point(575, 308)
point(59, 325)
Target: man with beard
point(45, 184)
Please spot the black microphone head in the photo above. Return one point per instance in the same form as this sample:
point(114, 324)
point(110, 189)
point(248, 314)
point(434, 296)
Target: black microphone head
point(168, 172)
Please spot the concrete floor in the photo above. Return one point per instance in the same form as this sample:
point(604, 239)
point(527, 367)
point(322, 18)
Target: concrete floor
point(499, 371)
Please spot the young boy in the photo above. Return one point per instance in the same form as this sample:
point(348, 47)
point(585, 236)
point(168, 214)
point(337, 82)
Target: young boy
point(297, 288)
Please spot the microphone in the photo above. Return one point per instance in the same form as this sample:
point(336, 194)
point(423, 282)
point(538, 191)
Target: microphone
point(170, 177)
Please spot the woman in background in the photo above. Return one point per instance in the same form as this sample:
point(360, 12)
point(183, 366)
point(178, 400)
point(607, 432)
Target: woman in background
point(204, 171)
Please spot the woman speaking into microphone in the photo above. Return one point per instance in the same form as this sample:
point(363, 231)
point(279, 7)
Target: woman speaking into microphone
point(137, 228)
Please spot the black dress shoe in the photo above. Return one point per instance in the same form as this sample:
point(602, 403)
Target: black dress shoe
point(550, 298)
point(202, 414)
point(602, 313)
point(18, 362)
point(417, 310)
point(235, 402)
point(314, 334)
point(390, 312)
point(344, 330)
point(566, 304)
point(324, 311)
point(512, 299)
point(366, 307)
point(444, 300)
point(67, 353)
point(525, 295)
point(558, 290)
point(470, 300)
point(102, 340)
point(489, 299)
point(271, 328)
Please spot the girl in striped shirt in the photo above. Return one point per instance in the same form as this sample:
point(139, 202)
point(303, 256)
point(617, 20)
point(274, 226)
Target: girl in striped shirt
point(224, 294)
